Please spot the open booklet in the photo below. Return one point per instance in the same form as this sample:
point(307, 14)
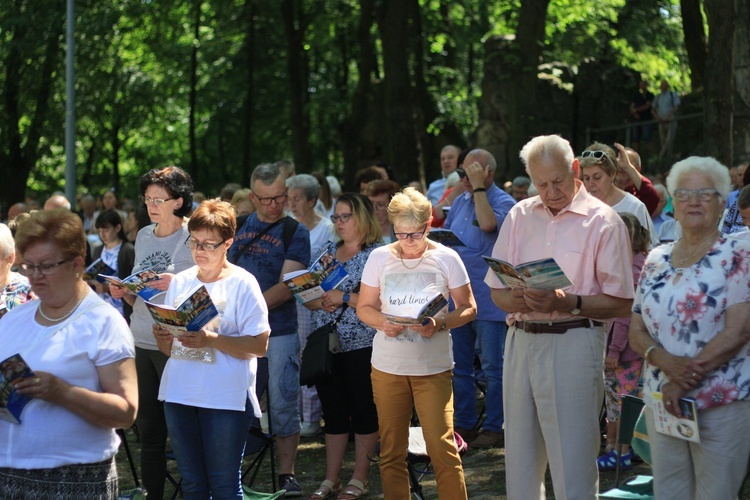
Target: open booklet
point(446, 237)
point(324, 274)
point(195, 312)
point(12, 370)
point(684, 428)
point(431, 308)
point(544, 274)
point(137, 283)
point(97, 268)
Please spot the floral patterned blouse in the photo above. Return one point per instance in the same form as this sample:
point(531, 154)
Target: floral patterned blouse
point(353, 334)
point(16, 292)
point(683, 313)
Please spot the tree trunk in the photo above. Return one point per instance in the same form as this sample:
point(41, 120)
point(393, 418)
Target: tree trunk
point(247, 125)
point(718, 97)
point(695, 41)
point(295, 26)
point(116, 143)
point(401, 137)
point(194, 91)
point(741, 124)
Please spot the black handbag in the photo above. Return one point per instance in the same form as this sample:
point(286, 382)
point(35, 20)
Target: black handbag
point(317, 356)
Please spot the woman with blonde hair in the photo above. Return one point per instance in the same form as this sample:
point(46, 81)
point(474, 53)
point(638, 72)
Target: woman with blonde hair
point(412, 364)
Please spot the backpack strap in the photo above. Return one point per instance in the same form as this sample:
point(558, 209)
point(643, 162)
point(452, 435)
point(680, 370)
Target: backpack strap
point(290, 227)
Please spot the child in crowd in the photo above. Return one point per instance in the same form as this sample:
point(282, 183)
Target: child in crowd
point(622, 364)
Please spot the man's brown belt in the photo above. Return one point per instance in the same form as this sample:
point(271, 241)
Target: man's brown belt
point(557, 327)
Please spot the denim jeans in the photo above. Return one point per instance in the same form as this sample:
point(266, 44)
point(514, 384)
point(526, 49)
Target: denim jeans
point(209, 445)
point(491, 338)
point(283, 384)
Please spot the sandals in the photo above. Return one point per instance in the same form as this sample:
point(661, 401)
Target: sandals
point(355, 489)
point(327, 489)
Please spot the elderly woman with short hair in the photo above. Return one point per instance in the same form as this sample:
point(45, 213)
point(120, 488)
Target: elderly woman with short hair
point(84, 383)
point(411, 366)
point(14, 288)
point(690, 323)
point(599, 165)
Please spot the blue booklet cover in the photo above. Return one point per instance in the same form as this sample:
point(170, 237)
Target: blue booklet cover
point(323, 275)
point(12, 370)
point(137, 283)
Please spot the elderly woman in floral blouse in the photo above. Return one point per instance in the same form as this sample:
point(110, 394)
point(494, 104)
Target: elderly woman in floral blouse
point(14, 288)
point(690, 323)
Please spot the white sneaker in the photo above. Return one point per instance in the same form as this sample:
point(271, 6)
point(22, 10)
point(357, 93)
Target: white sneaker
point(310, 429)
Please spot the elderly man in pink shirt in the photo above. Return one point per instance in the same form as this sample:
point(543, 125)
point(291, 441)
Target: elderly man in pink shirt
point(553, 380)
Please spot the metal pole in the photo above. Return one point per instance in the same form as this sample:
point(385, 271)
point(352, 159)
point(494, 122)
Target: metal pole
point(70, 107)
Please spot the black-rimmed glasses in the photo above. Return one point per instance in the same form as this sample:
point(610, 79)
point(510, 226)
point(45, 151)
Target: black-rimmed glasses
point(207, 247)
point(341, 217)
point(279, 200)
point(44, 269)
point(461, 172)
point(415, 236)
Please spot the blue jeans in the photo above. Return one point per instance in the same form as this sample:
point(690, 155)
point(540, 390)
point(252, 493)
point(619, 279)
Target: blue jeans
point(209, 445)
point(283, 384)
point(491, 338)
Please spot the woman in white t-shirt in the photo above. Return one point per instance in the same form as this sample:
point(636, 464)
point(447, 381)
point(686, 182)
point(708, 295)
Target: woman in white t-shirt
point(208, 385)
point(412, 365)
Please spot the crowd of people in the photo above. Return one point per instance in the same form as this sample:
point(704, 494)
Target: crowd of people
point(658, 293)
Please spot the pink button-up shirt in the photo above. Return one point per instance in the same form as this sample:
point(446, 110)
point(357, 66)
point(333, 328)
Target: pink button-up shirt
point(587, 239)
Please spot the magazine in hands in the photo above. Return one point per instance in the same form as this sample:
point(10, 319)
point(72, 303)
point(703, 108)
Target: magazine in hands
point(195, 312)
point(137, 283)
point(324, 274)
point(96, 269)
point(12, 370)
point(684, 428)
point(446, 237)
point(432, 307)
point(544, 274)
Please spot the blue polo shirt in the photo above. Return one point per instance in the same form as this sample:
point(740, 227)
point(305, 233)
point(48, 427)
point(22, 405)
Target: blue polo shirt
point(462, 220)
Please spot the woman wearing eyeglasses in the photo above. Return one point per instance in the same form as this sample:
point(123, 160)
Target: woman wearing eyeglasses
point(168, 196)
point(412, 365)
point(690, 323)
point(210, 399)
point(83, 385)
point(599, 165)
point(346, 395)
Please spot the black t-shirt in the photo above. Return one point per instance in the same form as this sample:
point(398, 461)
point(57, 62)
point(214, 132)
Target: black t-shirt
point(639, 100)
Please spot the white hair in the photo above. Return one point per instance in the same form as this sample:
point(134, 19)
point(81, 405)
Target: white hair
point(718, 173)
point(547, 147)
point(333, 182)
point(452, 180)
point(7, 245)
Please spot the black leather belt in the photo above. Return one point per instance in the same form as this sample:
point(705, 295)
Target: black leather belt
point(557, 327)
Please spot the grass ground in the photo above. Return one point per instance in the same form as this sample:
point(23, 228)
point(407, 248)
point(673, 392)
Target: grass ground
point(484, 470)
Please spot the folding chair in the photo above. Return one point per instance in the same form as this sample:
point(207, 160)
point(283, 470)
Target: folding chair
point(124, 443)
point(259, 444)
point(418, 462)
point(637, 487)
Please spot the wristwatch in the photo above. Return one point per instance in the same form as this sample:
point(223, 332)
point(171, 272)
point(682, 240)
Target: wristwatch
point(442, 324)
point(346, 298)
point(577, 309)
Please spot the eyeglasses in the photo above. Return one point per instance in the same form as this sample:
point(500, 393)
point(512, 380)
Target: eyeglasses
point(461, 172)
point(344, 218)
point(44, 269)
point(154, 201)
point(279, 200)
point(206, 247)
point(414, 236)
point(704, 195)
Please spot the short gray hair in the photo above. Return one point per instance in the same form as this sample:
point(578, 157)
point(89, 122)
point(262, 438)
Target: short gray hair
point(546, 147)
point(7, 245)
point(491, 162)
point(521, 181)
point(265, 173)
point(706, 165)
point(307, 183)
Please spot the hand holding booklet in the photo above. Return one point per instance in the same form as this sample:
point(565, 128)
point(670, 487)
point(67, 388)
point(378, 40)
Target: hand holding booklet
point(684, 428)
point(544, 274)
point(324, 274)
point(431, 308)
point(137, 283)
point(12, 370)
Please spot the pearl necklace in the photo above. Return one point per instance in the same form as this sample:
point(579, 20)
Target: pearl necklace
point(57, 320)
